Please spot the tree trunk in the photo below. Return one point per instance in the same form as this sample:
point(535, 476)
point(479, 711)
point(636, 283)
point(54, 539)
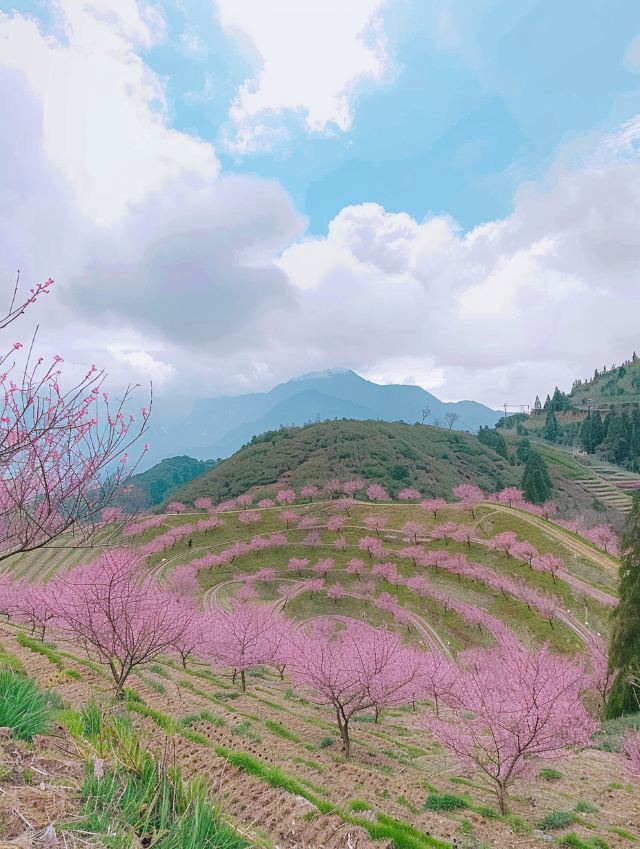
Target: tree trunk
point(343, 725)
point(243, 681)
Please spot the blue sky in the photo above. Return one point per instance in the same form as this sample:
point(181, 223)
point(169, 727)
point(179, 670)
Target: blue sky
point(233, 192)
point(456, 127)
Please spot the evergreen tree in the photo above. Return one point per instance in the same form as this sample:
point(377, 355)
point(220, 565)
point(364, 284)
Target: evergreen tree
point(537, 407)
point(522, 451)
point(547, 403)
point(591, 432)
point(536, 482)
point(598, 429)
point(634, 442)
point(551, 430)
point(493, 439)
point(624, 650)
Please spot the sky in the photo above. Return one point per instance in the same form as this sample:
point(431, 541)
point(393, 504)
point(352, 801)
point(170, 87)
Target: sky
point(231, 193)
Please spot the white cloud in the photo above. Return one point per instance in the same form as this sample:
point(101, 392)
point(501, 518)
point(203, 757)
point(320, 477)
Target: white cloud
point(104, 110)
point(312, 54)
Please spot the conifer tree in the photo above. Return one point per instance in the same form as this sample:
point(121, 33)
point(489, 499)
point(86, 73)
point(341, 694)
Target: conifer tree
point(624, 650)
point(537, 407)
point(551, 429)
point(536, 482)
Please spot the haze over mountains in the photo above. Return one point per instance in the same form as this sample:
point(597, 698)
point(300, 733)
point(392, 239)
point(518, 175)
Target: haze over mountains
point(217, 427)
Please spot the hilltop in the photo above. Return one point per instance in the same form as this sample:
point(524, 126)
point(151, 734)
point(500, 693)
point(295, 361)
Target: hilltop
point(216, 427)
point(397, 455)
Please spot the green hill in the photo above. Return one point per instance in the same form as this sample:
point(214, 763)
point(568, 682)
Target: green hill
point(397, 455)
point(157, 483)
point(612, 386)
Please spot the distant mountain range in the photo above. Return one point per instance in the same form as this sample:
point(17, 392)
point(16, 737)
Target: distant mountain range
point(218, 427)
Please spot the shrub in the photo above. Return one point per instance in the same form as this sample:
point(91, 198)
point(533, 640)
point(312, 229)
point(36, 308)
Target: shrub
point(326, 741)
point(584, 807)
point(556, 819)
point(23, 707)
point(358, 805)
point(550, 774)
point(444, 802)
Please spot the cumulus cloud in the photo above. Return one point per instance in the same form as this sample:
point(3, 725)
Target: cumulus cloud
point(312, 55)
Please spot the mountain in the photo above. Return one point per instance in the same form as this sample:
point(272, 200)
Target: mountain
point(216, 427)
point(149, 488)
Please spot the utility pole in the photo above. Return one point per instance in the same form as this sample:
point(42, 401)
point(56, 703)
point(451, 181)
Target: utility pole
point(590, 425)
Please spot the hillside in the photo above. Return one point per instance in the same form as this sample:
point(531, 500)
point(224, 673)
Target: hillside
point(216, 427)
point(611, 386)
point(271, 755)
point(157, 483)
point(394, 454)
point(432, 459)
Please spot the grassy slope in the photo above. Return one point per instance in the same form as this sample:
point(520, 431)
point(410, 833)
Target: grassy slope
point(396, 455)
point(605, 389)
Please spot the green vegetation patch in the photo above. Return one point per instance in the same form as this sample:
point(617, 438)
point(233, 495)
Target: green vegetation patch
point(24, 708)
point(281, 731)
point(445, 802)
point(557, 819)
point(40, 648)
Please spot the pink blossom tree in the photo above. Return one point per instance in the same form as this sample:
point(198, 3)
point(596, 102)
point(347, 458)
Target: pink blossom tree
point(601, 675)
point(335, 591)
point(375, 523)
point(355, 566)
point(434, 505)
point(123, 620)
point(376, 492)
point(351, 487)
point(245, 500)
point(511, 495)
point(631, 748)
point(309, 492)
point(511, 708)
point(388, 571)
point(265, 574)
point(250, 517)
point(176, 507)
point(289, 517)
point(202, 504)
point(265, 503)
point(298, 563)
point(251, 635)
point(335, 522)
point(372, 545)
point(470, 495)
point(355, 669)
point(410, 493)
point(465, 534)
point(550, 564)
point(314, 585)
point(340, 543)
point(308, 521)
point(524, 551)
point(313, 539)
point(503, 542)
point(286, 496)
point(226, 506)
point(183, 582)
point(413, 529)
point(444, 532)
point(332, 487)
point(324, 565)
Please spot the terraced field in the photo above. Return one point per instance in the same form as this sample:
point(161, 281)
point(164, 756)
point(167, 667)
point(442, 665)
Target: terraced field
point(272, 757)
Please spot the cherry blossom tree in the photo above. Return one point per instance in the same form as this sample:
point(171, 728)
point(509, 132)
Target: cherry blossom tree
point(524, 551)
point(202, 504)
point(265, 503)
point(122, 619)
point(503, 542)
point(183, 581)
point(251, 635)
point(335, 522)
point(351, 487)
point(309, 492)
point(388, 571)
point(355, 669)
point(286, 496)
point(375, 523)
point(340, 543)
point(470, 495)
point(631, 748)
point(226, 506)
point(332, 487)
point(466, 534)
point(289, 517)
point(376, 492)
point(550, 564)
point(511, 495)
point(601, 675)
point(409, 494)
point(512, 708)
point(298, 563)
point(245, 500)
point(372, 545)
point(176, 507)
point(265, 574)
point(434, 505)
point(308, 521)
point(250, 517)
point(355, 566)
point(444, 532)
point(314, 585)
point(413, 529)
point(312, 539)
point(336, 592)
point(324, 565)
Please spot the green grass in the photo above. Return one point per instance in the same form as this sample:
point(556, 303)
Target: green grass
point(281, 731)
point(573, 841)
point(150, 807)
point(556, 819)
point(10, 661)
point(244, 730)
point(40, 648)
point(622, 832)
point(358, 805)
point(445, 802)
point(202, 716)
point(611, 732)
point(585, 807)
point(550, 774)
point(24, 708)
